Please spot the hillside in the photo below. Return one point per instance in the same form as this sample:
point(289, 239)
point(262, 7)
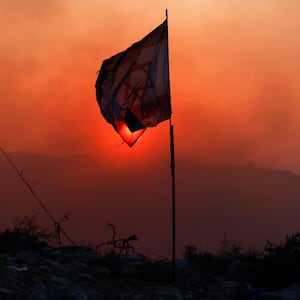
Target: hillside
point(251, 204)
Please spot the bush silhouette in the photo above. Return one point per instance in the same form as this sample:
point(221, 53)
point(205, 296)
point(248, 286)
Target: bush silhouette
point(26, 234)
point(274, 268)
point(280, 265)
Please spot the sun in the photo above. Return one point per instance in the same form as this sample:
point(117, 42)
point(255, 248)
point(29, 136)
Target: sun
point(129, 137)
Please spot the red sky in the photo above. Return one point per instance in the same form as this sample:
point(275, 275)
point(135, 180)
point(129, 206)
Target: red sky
point(234, 68)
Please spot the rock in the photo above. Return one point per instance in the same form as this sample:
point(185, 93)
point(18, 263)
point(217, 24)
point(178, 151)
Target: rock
point(240, 271)
point(28, 257)
point(231, 289)
point(5, 292)
point(85, 277)
point(79, 293)
point(102, 271)
point(17, 268)
point(56, 267)
point(171, 293)
point(77, 273)
point(60, 280)
point(37, 292)
point(289, 293)
point(133, 259)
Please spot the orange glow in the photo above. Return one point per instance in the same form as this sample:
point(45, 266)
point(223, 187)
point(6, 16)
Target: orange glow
point(234, 72)
point(234, 78)
point(129, 137)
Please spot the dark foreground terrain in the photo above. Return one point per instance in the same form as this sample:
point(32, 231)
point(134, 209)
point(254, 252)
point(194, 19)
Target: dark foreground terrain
point(31, 269)
point(248, 202)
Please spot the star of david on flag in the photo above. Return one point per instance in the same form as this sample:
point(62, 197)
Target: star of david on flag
point(133, 88)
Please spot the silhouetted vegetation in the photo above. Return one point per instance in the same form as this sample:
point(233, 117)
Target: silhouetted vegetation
point(275, 267)
point(112, 251)
point(118, 246)
point(26, 234)
point(280, 265)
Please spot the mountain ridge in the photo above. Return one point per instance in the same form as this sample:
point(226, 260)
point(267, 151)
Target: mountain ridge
point(250, 203)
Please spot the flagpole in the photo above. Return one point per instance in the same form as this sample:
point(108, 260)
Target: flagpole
point(173, 201)
point(173, 190)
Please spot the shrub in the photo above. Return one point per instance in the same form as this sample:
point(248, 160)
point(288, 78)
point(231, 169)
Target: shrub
point(26, 234)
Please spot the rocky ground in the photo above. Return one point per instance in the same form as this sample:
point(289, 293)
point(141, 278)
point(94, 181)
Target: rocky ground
point(75, 272)
point(78, 273)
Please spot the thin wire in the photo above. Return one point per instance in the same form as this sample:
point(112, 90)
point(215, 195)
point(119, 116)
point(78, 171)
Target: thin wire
point(20, 173)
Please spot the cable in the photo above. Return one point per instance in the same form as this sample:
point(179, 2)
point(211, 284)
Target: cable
point(57, 225)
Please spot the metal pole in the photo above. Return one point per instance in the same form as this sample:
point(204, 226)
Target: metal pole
point(173, 202)
point(173, 188)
